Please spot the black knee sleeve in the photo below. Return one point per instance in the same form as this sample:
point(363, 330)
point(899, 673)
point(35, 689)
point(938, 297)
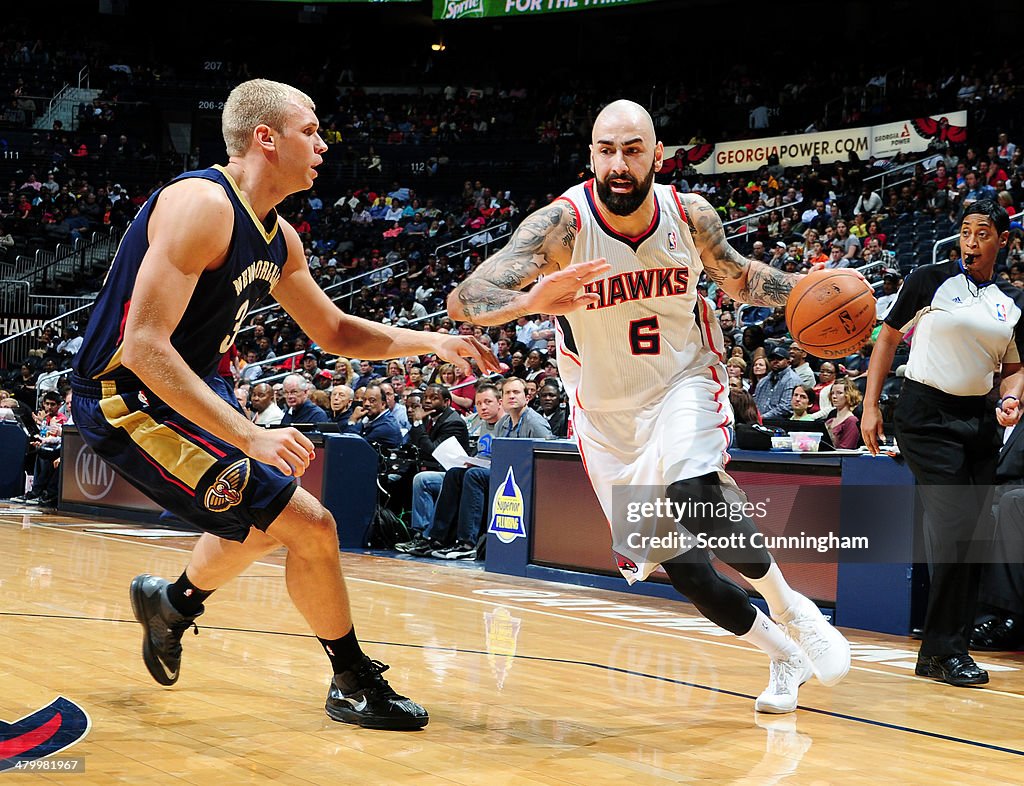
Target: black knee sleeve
point(704, 496)
point(719, 599)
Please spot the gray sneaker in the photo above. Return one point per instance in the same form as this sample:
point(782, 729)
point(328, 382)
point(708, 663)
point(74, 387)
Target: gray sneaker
point(162, 627)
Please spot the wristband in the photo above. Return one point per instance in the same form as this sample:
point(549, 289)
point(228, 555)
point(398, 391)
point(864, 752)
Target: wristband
point(1004, 399)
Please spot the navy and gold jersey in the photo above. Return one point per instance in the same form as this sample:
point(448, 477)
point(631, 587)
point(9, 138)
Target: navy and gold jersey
point(220, 302)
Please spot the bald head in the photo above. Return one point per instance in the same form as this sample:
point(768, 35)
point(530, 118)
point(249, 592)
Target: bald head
point(624, 155)
point(621, 120)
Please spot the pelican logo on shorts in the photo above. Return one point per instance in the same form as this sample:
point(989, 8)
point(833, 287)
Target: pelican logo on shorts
point(58, 725)
point(625, 565)
point(672, 242)
point(226, 491)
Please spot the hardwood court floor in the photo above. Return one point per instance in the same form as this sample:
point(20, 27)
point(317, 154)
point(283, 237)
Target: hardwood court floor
point(526, 683)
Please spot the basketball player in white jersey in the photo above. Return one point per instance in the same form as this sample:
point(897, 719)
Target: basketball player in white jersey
point(640, 354)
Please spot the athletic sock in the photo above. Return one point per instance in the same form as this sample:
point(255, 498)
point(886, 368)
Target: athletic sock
point(186, 597)
point(769, 638)
point(344, 652)
point(776, 592)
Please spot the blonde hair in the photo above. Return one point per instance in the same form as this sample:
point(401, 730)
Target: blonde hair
point(253, 103)
point(740, 363)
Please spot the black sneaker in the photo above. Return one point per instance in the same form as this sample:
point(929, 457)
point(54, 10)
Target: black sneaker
point(460, 550)
point(162, 627)
point(363, 697)
point(425, 548)
point(408, 545)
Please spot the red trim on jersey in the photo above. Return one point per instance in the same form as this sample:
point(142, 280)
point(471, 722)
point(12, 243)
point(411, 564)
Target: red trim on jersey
point(165, 476)
point(682, 210)
point(562, 348)
point(714, 375)
point(586, 471)
point(575, 210)
point(707, 328)
point(124, 319)
point(592, 198)
point(212, 448)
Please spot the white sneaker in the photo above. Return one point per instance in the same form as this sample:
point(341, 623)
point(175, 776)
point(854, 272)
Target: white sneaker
point(786, 677)
point(825, 647)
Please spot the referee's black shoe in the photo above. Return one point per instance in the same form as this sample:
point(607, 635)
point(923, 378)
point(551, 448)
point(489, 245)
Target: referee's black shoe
point(363, 697)
point(959, 670)
point(162, 625)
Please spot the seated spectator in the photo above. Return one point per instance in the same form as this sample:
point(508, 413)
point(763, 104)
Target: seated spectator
point(45, 480)
point(373, 421)
point(803, 400)
point(836, 259)
point(453, 484)
point(263, 406)
point(823, 390)
point(448, 375)
point(433, 421)
point(736, 368)
point(300, 408)
point(396, 407)
point(758, 370)
point(462, 500)
point(774, 393)
point(842, 424)
point(799, 364)
point(554, 407)
point(743, 406)
point(535, 360)
point(342, 404)
point(520, 420)
point(321, 398)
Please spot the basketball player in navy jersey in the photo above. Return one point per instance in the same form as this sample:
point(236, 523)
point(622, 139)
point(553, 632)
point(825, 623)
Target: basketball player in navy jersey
point(199, 256)
point(640, 355)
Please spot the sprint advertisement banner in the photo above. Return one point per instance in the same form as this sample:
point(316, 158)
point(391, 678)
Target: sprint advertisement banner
point(882, 141)
point(469, 9)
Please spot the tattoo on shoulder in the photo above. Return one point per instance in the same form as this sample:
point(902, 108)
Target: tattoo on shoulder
point(542, 236)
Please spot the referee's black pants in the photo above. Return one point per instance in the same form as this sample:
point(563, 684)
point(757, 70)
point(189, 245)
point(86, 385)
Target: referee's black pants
point(951, 444)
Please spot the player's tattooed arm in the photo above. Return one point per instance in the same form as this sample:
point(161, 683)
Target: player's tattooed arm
point(492, 294)
point(744, 280)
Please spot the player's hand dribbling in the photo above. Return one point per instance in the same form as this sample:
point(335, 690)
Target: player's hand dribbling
point(558, 293)
point(285, 448)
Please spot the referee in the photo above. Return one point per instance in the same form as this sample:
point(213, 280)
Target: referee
point(966, 325)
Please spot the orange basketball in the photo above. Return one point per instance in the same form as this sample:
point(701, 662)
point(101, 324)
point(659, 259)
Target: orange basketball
point(831, 313)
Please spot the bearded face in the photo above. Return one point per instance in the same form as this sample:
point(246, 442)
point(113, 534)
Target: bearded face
point(622, 193)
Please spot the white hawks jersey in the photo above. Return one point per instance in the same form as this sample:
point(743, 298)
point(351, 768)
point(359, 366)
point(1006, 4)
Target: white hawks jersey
point(650, 328)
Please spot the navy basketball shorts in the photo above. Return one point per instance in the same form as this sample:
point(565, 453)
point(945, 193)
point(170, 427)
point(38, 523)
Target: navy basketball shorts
point(188, 471)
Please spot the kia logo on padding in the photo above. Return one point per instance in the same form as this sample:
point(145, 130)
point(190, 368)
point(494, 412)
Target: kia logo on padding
point(94, 476)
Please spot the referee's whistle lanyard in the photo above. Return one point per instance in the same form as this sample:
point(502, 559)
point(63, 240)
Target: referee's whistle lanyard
point(971, 281)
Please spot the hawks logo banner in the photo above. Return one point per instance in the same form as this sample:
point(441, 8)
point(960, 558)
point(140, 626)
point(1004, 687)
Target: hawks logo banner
point(56, 726)
point(226, 491)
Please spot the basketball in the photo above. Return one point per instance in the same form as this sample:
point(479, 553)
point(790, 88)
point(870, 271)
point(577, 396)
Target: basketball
point(831, 313)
